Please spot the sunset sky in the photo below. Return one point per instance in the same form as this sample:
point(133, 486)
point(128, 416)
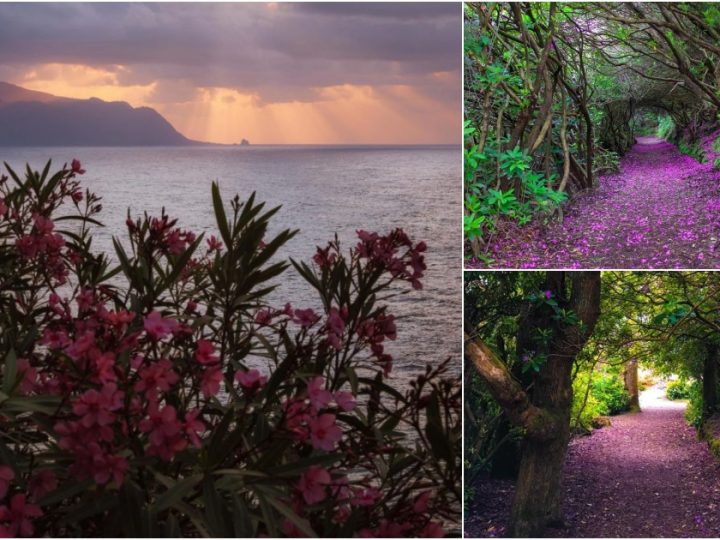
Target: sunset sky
point(271, 73)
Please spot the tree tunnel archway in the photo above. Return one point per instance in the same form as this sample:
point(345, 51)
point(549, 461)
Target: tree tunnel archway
point(690, 118)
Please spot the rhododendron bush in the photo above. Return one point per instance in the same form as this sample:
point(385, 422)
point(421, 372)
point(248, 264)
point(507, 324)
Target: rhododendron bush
point(158, 392)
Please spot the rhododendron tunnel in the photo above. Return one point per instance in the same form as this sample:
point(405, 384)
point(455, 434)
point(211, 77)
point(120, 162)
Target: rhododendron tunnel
point(157, 392)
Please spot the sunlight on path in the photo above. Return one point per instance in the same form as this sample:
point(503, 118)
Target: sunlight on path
point(654, 398)
point(660, 211)
point(646, 475)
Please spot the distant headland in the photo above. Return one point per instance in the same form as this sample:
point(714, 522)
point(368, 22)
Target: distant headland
point(30, 118)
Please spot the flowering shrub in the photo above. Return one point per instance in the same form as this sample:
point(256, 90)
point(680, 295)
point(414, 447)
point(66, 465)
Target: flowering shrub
point(164, 396)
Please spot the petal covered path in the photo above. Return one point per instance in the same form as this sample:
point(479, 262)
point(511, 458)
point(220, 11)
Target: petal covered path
point(662, 210)
point(645, 476)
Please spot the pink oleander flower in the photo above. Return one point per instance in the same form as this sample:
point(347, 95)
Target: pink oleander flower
point(205, 352)
point(313, 484)
point(6, 476)
point(107, 467)
point(345, 400)
point(324, 433)
point(193, 427)
point(76, 167)
point(164, 431)
point(335, 327)
point(157, 376)
point(317, 394)
point(27, 375)
point(43, 225)
point(263, 316)
point(3, 207)
point(97, 408)
point(42, 483)
point(158, 327)
point(421, 502)
point(55, 339)
point(324, 258)
point(18, 516)
point(251, 380)
point(432, 530)
point(305, 317)
point(211, 379)
point(366, 497)
point(214, 244)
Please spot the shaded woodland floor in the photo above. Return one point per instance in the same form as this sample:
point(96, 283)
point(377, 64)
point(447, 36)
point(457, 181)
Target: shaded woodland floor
point(662, 210)
point(645, 476)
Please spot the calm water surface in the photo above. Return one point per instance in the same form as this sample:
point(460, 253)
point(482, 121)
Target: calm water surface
point(323, 191)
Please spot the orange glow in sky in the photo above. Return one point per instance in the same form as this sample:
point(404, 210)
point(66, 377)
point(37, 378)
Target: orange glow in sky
point(343, 114)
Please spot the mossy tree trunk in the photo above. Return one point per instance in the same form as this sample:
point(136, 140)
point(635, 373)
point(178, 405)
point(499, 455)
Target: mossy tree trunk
point(709, 380)
point(630, 377)
point(545, 413)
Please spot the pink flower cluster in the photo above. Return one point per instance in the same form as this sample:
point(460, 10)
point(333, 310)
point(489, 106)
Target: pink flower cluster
point(309, 417)
point(44, 244)
point(374, 331)
point(383, 251)
point(18, 514)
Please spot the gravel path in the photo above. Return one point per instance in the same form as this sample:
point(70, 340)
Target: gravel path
point(661, 211)
point(645, 476)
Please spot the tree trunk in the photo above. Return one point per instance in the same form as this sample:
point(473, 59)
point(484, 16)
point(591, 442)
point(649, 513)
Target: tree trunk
point(538, 497)
point(709, 381)
point(630, 377)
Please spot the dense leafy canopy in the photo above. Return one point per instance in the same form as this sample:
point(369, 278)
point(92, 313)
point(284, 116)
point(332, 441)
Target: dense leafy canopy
point(555, 93)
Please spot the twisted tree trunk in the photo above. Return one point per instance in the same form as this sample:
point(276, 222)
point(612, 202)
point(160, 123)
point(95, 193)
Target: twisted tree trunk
point(545, 414)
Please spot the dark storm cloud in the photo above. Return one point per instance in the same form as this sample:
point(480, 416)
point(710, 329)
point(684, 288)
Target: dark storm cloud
point(283, 53)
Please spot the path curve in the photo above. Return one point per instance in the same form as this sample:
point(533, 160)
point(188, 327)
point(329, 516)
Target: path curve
point(645, 476)
point(662, 210)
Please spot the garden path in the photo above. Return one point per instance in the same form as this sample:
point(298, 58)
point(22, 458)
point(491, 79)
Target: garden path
point(662, 210)
point(645, 476)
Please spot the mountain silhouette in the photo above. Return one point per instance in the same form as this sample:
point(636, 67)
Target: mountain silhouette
point(29, 118)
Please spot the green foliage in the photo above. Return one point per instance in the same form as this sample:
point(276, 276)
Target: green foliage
point(607, 396)
point(694, 411)
point(610, 391)
point(605, 162)
point(693, 150)
point(485, 204)
point(716, 164)
point(679, 389)
point(666, 127)
point(221, 446)
point(716, 144)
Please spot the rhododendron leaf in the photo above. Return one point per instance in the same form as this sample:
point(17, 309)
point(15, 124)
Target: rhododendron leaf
point(176, 493)
point(66, 491)
point(220, 216)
